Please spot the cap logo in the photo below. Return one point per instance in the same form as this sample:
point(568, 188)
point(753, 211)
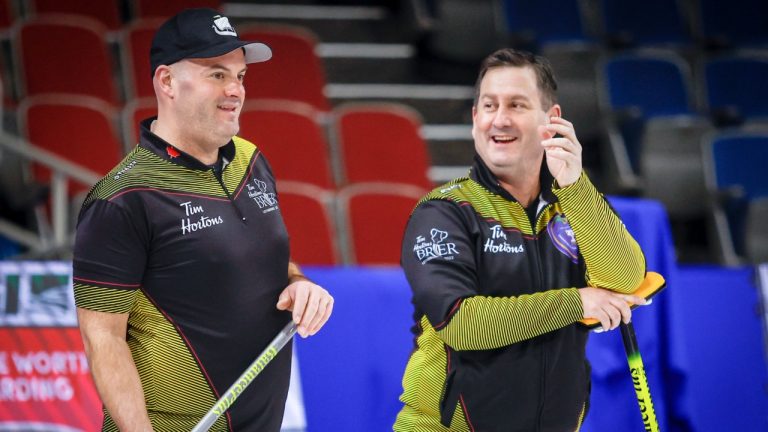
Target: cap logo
point(221, 26)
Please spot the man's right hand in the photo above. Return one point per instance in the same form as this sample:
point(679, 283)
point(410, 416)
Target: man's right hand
point(608, 307)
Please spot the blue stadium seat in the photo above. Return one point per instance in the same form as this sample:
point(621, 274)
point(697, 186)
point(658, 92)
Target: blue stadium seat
point(734, 87)
point(656, 83)
point(735, 169)
point(641, 85)
point(533, 21)
point(734, 23)
point(740, 160)
point(644, 22)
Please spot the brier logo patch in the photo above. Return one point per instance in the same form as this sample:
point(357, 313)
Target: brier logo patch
point(561, 234)
point(438, 247)
point(261, 195)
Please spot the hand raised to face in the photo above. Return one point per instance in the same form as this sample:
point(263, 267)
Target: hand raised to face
point(563, 152)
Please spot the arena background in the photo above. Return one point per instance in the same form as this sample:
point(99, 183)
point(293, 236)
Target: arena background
point(365, 106)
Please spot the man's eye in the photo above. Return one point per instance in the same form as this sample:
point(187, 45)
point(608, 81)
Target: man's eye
point(218, 75)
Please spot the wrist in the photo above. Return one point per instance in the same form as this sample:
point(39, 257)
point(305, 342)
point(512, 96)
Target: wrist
point(566, 182)
point(295, 274)
point(297, 278)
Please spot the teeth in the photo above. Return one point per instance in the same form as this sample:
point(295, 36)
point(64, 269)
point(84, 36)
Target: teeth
point(503, 139)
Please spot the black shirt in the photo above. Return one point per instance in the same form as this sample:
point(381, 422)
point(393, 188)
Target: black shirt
point(497, 347)
point(197, 260)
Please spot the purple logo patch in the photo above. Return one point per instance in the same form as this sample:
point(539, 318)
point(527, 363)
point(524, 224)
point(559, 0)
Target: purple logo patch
point(562, 237)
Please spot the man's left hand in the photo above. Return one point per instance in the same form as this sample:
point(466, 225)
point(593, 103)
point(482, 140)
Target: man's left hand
point(310, 303)
point(563, 153)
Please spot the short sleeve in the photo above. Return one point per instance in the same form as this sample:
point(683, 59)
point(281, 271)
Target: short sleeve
point(110, 255)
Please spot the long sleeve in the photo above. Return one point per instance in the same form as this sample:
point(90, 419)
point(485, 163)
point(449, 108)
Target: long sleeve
point(439, 259)
point(494, 322)
point(613, 258)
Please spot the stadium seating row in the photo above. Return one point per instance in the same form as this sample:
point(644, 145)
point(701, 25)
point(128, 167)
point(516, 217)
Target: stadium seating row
point(628, 23)
point(358, 222)
point(658, 108)
point(371, 142)
point(113, 14)
point(61, 53)
point(361, 224)
point(632, 23)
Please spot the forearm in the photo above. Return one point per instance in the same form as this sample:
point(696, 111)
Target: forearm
point(482, 323)
point(613, 258)
point(117, 382)
point(112, 367)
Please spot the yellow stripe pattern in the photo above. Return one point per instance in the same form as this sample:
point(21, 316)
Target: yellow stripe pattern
point(483, 323)
point(423, 382)
point(509, 214)
point(102, 299)
point(143, 169)
point(613, 260)
point(176, 392)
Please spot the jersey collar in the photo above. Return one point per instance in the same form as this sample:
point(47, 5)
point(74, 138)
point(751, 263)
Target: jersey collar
point(486, 178)
point(170, 153)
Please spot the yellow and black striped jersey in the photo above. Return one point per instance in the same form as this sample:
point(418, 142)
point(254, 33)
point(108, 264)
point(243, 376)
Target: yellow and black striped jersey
point(196, 256)
point(496, 301)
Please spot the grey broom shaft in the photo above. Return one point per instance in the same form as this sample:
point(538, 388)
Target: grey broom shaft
point(229, 397)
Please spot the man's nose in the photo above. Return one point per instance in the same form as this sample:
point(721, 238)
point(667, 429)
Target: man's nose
point(234, 88)
point(502, 118)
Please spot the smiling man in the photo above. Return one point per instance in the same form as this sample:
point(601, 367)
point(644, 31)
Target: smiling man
point(182, 271)
point(516, 247)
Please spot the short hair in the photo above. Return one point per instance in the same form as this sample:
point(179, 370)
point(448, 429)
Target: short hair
point(508, 57)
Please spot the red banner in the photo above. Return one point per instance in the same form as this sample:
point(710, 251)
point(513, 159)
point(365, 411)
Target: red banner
point(45, 383)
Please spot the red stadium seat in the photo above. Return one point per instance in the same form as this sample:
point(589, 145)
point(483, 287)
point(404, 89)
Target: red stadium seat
point(289, 135)
point(167, 8)
point(375, 215)
point(105, 11)
point(381, 142)
point(135, 111)
point(294, 72)
point(135, 42)
point(59, 53)
point(78, 128)
point(305, 211)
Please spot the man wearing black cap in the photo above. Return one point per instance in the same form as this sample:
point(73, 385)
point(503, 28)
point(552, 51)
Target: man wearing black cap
point(181, 263)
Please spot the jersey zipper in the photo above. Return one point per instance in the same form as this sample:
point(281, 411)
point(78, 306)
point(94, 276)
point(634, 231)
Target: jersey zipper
point(540, 280)
point(229, 196)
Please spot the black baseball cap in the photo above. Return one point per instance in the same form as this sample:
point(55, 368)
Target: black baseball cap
point(200, 33)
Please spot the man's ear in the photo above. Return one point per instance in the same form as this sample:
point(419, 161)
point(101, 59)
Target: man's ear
point(163, 80)
point(554, 111)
